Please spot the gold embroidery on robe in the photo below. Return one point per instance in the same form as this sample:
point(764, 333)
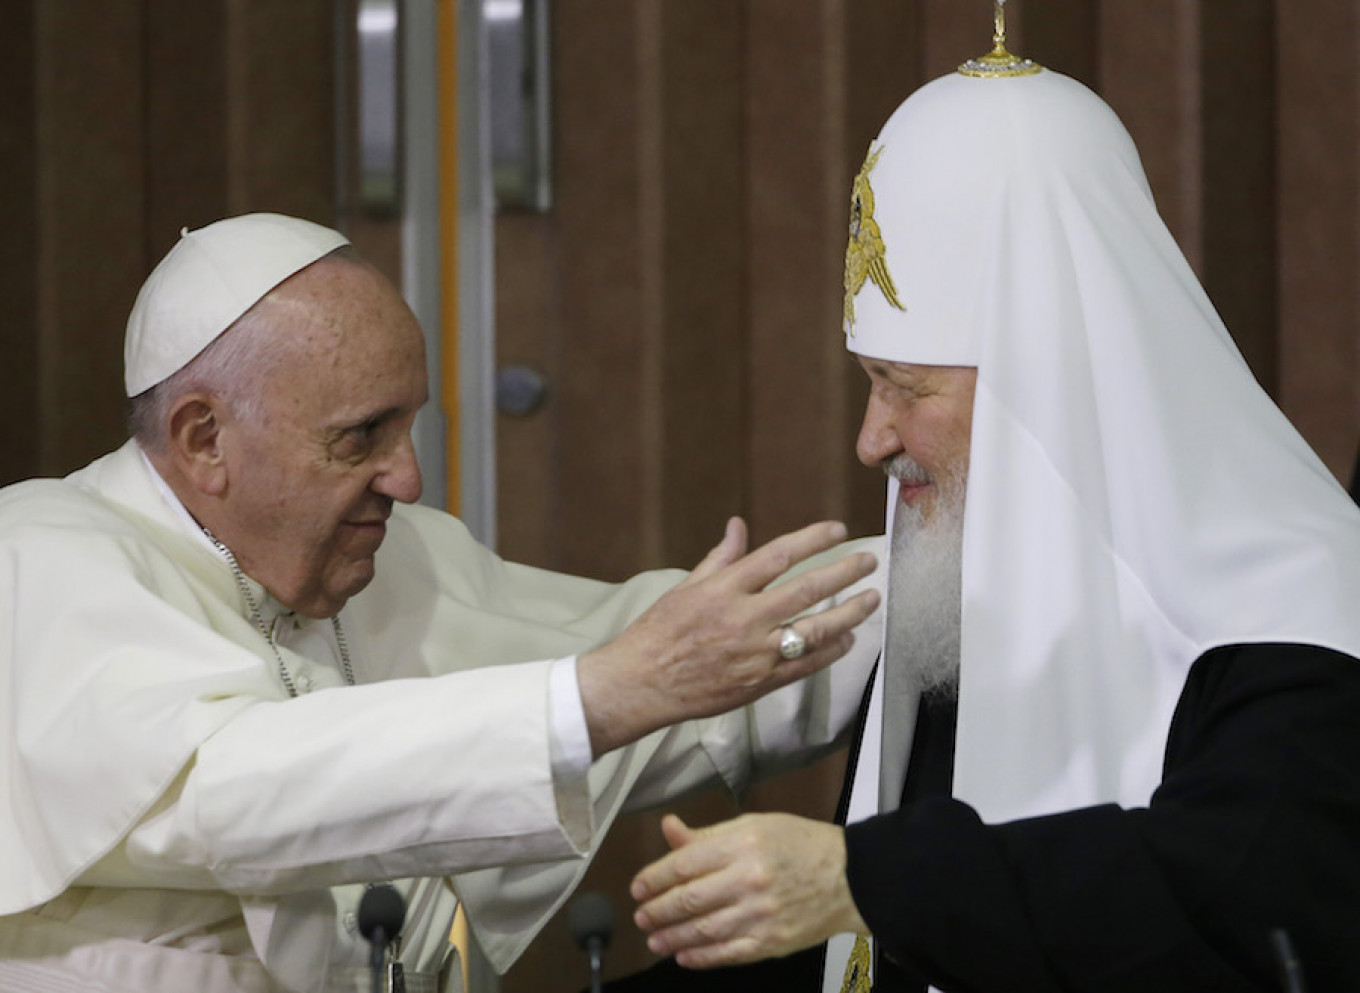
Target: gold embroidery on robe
point(857, 968)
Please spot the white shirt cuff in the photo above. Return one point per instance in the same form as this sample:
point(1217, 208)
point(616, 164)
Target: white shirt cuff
point(570, 737)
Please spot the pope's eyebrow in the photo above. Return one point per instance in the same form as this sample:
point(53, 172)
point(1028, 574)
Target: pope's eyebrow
point(365, 421)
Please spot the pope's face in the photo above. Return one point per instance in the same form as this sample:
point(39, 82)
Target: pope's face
point(313, 478)
point(917, 426)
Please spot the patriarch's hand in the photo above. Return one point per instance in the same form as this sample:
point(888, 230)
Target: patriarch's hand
point(751, 888)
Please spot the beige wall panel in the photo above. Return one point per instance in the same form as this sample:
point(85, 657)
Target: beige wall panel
point(1061, 35)
point(608, 174)
point(1150, 76)
point(880, 65)
point(702, 350)
point(1319, 225)
point(20, 425)
point(280, 74)
point(186, 119)
point(796, 204)
point(1237, 73)
point(90, 229)
point(953, 31)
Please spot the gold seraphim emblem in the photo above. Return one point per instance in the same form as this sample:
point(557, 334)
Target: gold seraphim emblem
point(865, 254)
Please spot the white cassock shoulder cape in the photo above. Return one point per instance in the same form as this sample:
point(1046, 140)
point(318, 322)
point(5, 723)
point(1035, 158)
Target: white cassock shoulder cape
point(148, 741)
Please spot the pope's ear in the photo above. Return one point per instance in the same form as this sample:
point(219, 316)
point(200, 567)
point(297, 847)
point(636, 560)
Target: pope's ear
point(194, 433)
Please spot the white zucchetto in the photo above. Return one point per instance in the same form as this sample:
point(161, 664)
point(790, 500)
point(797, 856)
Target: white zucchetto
point(209, 279)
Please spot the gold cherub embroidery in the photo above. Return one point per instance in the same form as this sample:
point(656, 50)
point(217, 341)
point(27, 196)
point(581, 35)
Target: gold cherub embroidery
point(865, 254)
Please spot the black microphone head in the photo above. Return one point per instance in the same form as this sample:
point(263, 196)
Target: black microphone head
point(592, 919)
point(381, 907)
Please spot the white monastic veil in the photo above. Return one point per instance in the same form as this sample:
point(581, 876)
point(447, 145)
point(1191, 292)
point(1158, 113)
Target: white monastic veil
point(1134, 497)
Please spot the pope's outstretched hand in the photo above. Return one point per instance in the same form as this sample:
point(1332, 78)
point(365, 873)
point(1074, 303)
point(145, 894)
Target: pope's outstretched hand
point(713, 642)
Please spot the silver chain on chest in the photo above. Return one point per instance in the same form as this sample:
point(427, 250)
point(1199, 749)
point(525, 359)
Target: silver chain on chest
point(258, 620)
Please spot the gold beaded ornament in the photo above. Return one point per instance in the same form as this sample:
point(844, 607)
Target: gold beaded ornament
point(999, 62)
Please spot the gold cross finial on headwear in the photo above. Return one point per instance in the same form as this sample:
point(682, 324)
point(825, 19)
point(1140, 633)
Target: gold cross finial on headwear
point(999, 62)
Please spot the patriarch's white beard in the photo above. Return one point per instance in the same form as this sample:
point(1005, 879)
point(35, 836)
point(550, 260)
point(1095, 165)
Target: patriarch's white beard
point(925, 583)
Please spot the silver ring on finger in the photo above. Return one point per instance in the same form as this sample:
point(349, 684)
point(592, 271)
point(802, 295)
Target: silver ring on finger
point(792, 645)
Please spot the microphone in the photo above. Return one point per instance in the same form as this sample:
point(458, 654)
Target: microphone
point(592, 924)
point(1291, 972)
point(382, 912)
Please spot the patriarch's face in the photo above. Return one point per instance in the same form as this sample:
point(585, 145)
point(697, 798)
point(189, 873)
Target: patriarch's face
point(918, 426)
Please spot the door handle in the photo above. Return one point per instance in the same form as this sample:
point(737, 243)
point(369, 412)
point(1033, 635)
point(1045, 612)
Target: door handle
point(520, 391)
point(379, 57)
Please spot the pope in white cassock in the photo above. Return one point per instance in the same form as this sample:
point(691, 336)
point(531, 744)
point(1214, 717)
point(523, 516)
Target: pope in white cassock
point(245, 677)
point(1115, 740)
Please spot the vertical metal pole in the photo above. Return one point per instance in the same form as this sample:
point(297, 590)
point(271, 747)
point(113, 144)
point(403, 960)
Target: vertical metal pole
point(476, 284)
point(421, 255)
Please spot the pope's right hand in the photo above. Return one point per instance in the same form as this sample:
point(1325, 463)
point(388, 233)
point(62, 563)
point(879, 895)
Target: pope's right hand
point(712, 643)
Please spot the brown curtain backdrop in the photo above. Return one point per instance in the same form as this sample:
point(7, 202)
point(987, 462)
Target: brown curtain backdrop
point(682, 298)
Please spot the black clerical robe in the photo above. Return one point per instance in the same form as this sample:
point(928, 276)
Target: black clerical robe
point(1255, 827)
